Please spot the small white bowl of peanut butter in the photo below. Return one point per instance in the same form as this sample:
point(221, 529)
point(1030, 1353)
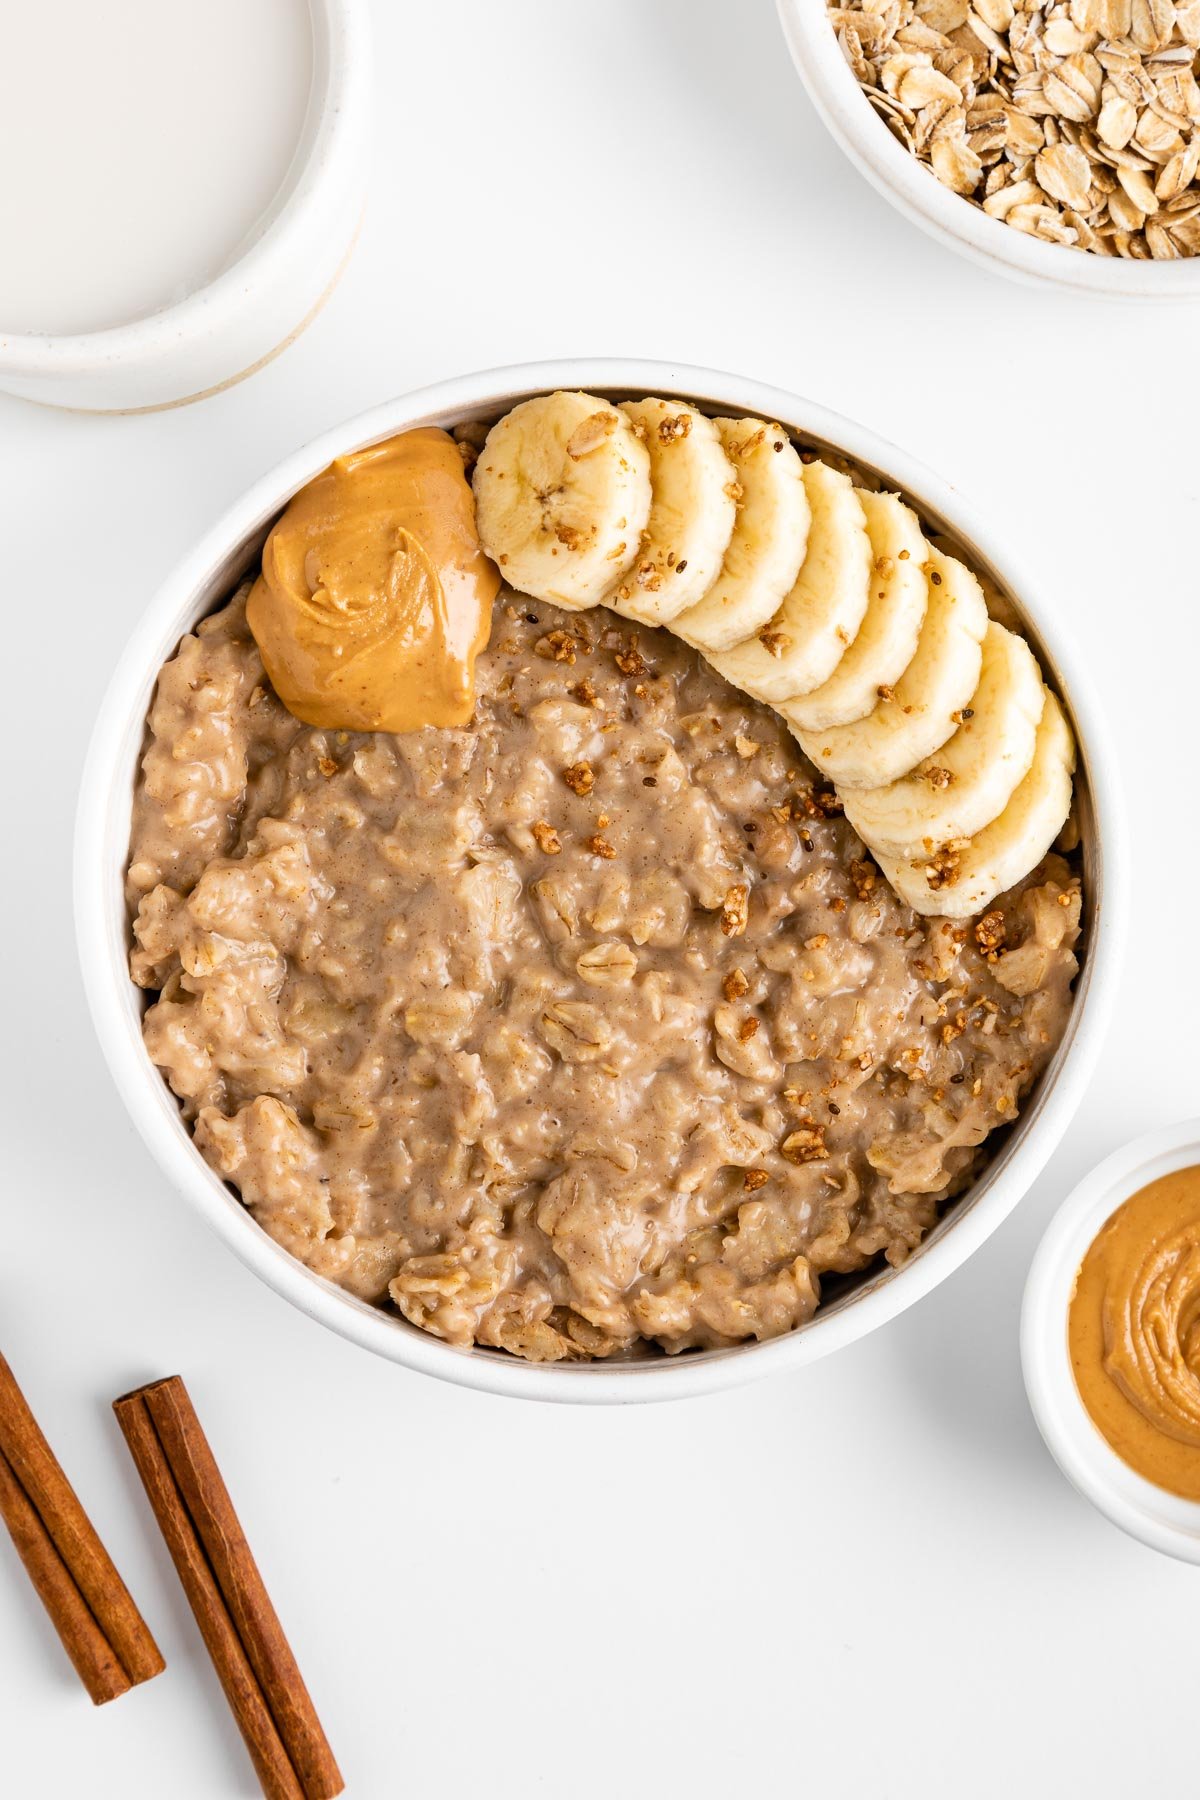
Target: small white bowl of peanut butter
point(1110, 1339)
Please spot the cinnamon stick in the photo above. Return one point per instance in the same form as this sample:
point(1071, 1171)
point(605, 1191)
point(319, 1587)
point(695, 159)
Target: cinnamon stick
point(89, 1605)
point(82, 1639)
point(241, 1630)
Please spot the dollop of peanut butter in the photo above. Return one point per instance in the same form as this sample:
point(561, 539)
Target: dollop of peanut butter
point(1134, 1332)
point(375, 597)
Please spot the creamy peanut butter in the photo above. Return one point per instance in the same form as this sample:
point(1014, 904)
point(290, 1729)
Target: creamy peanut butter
point(1134, 1332)
point(375, 597)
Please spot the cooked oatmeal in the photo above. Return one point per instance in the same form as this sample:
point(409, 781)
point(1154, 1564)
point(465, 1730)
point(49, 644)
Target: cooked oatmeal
point(586, 1027)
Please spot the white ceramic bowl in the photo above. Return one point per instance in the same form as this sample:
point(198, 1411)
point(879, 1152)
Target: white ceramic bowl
point(254, 308)
point(915, 191)
point(205, 578)
point(1162, 1520)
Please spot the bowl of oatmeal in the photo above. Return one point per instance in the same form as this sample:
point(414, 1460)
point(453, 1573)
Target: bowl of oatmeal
point(1055, 144)
point(577, 1050)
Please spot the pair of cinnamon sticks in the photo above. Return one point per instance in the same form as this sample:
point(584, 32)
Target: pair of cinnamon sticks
point(102, 1630)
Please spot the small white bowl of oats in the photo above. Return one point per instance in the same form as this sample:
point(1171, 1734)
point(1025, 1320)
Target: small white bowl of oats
point(1060, 145)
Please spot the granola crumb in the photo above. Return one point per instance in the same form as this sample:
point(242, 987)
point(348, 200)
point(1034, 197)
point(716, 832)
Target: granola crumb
point(805, 1145)
point(942, 868)
point(557, 646)
point(735, 911)
point(580, 777)
point(735, 985)
point(671, 430)
point(863, 875)
point(990, 933)
point(629, 659)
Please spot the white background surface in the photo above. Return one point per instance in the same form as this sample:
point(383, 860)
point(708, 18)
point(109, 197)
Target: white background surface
point(864, 1580)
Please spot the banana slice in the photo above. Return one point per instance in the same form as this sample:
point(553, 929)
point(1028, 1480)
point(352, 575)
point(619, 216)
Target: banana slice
point(692, 513)
point(803, 643)
point(768, 542)
point(962, 878)
point(562, 497)
point(887, 638)
point(968, 782)
point(919, 715)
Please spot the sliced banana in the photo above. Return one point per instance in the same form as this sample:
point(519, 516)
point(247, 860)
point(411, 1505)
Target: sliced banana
point(954, 762)
point(803, 643)
point(919, 715)
point(888, 636)
point(968, 782)
point(768, 542)
point(562, 497)
point(961, 878)
point(692, 513)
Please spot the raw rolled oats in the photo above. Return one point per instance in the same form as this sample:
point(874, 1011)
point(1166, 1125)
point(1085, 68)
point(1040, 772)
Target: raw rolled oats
point(1077, 122)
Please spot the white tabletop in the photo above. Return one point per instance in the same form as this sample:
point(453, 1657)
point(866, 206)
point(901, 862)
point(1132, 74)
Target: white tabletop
point(867, 1579)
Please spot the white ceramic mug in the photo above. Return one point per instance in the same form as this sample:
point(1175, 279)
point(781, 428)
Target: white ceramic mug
point(254, 308)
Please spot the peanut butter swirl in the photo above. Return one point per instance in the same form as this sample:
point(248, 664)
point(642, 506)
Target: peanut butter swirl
point(375, 597)
point(1135, 1332)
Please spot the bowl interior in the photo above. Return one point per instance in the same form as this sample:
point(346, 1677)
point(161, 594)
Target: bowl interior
point(230, 551)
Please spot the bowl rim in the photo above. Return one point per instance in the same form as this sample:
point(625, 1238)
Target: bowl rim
point(324, 156)
point(1164, 1521)
point(103, 822)
point(955, 222)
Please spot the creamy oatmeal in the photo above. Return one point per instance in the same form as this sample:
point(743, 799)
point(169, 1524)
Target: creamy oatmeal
point(588, 1026)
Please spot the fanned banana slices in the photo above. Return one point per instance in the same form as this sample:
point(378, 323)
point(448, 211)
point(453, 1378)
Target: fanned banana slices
point(953, 760)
